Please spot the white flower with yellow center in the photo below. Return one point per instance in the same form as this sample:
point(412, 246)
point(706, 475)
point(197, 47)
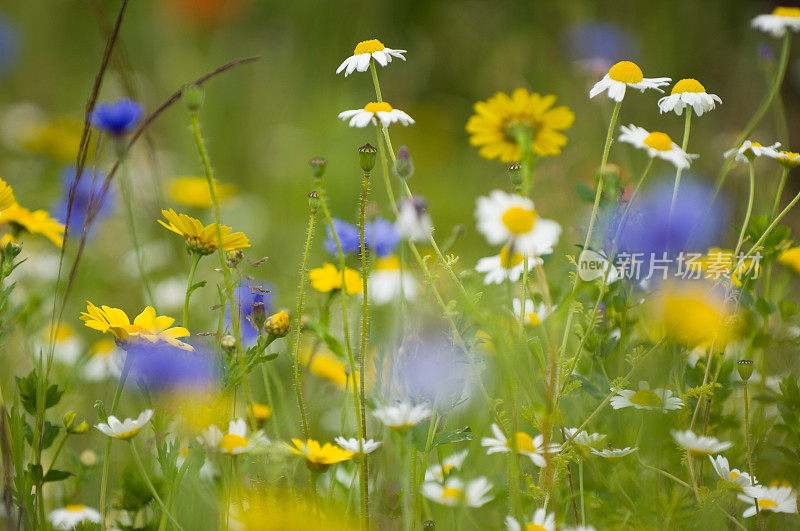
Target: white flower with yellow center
point(777, 499)
point(688, 92)
point(656, 144)
point(126, 429)
point(534, 314)
point(750, 150)
point(387, 282)
point(645, 398)
point(613, 454)
point(541, 521)
point(374, 111)
point(68, 346)
point(366, 51)
point(455, 493)
point(699, 444)
point(724, 471)
point(532, 447)
point(72, 516)
point(504, 267)
point(777, 22)
point(623, 75)
point(403, 415)
point(505, 218)
point(445, 468)
point(106, 360)
point(235, 441)
point(352, 445)
point(790, 159)
point(584, 438)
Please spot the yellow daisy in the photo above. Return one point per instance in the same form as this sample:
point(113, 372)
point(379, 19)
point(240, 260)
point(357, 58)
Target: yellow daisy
point(6, 195)
point(499, 121)
point(791, 258)
point(193, 191)
point(147, 325)
point(319, 457)
point(36, 222)
point(201, 238)
point(327, 278)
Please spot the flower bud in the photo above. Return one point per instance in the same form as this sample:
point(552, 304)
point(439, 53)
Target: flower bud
point(68, 419)
point(193, 96)
point(515, 173)
point(81, 428)
point(366, 156)
point(259, 314)
point(403, 165)
point(228, 342)
point(318, 165)
point(232, 258)
point(278, 324)
point(313, 201)
point(745, 368)
point(88, 458)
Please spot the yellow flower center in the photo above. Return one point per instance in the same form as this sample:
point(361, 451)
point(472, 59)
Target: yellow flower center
point(261, 411)
point(793, 12)
point(447, 468)
point(533, 318)
point(756, 144)
point(767, 504)
point(390, 263)
point(519, 220)
point(535, 527)
point(658, 141)
point(75, 507)
point(626, 72)
point(647, 398)
point(524, 442)
point(509, 260)
point(734, 475)
point(231, 442)
point(378, 107)
point(452, 493)
point(370, 46)
point(688, 85)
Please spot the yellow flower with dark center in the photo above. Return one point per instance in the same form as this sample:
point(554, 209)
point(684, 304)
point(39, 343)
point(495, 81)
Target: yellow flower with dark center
point(501, 121)
point(319, 457)
point(193, 191)
point(36, 222)
point(147, 325)
point(327, 278)
point(203, 239)
point(6, 195)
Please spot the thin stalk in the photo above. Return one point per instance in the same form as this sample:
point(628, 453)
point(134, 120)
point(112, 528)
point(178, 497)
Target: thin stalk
point(189, 283)
point(580, 486)
point(750, 197)
point(153, 491)
point(749, 449)
point(107, 457)
point(685, 144)
point(362, 410)
point(779, 192)
point(298, 324)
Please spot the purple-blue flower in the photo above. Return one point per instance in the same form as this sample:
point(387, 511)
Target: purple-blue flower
point(591, 42)
point(163, 367)
point(381, 236)
point(117, 118)
point(249, 294)
point(349, 237)
point(87, 192)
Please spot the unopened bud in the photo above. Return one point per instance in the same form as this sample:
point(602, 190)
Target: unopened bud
point(278, 324)
point(81, 428)
point(318, 165)
point(515, 173)
point(69, 419)
point(366, 156)
point(232, 258)
point(193, 96)
point(403, 165)
point(745, 368)
point(228, 342)
point(259, 314)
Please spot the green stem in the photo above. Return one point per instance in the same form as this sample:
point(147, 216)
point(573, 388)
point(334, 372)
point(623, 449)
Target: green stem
point(580, 486)
point(779, 193)
point(686, 128)
point(298, 325)
point(746, 222)
point(362, 411)
point(772, 225)
point(107, 457)
point(190, 282)
point(146, 478)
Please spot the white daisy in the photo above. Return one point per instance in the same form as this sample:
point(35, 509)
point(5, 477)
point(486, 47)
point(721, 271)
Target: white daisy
point(456, 493)
point(583, 438)
point(72, 516)
point(352, 445)
point(403, 415)
point(777, 499)
point(688, 92)
point(541, 521)
point(532, 447)
point(626, 74)
point(777, 22)
point(366, 51)
point(451, 462)
point(699, 444)
point(504, 267)
point(656, 399)
point(387, 282)
point(504, 218)
point(723, 470)
point(68, 345)
point(235, 441)
point(413, 221)
point(612, 454)
point(534, 314)
point(750, 149)
point(656, 144)
point(106, 360)
point(790, 159)
point(126, 429)
point(374, 111)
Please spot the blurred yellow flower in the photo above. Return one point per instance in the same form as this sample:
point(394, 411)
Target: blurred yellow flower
point(694, 314)
point(260, 412)
point(500, 121)
point(324, 364)
point(267, 512)
point(58, 138)
point(202, 239)
point(36, 222)
point(6, 195)
point(193, 191)
point(317, 456)
point(147, 325)
point(327, 278)
point(717, 263)
point(791, 258)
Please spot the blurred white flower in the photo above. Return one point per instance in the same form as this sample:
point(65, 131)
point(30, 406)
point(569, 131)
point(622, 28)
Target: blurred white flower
point(72, 516)
point(504, 267)
point(699, 444)
point(779, 21)
point(352, 445)
point(126, 429)
point(656, 399)
point(724, 471)
point(403, 415)
point(413, 220)
point(451, 462)
point(456, 493)
point(777, 499)
point(541, 521)
point(532, 447)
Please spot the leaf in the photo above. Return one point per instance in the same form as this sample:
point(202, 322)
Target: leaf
point(54, 475)
point(454, 436)
point(198, 285)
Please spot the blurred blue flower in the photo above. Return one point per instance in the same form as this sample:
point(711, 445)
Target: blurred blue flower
point(597, 43)
point(381, 236)
point(87, 191)
point(249, 294)
point(118, 117)
point(163, 367)
point(428, 369)
point(349, 237)
point(9, 45)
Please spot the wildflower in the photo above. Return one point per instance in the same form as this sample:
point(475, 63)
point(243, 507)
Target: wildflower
point(163, 367)
point(701, 445)
point(777, 499)
point(583, 438)
point(352, 445)
point(501, 123)
point(750, 150)
point(235, 441)
point(147, 325)
point(657, 145)
point(612, 454)
point(193, 191)
point(381, 236)
point(327, 278)
point(319, 457)
point(58, 138)
point(348, 235)
point(260, 412)
point(73, 515)
point(695, 314)
point(777, 22)
point(36, 222)
point(789, 159)
point(374, 111)
point(506, 266)
point(203, 239)
point(456, 493)
point(402, 415)
point(541, 521)
point(532, 447)
point(68, 345)
point(364, 53)
point(277, 324)
point(117, 118)
point(88, 193)
point(387, 282)
point(126, 429)
point(504, 218)
point(623, 75)
point(791, 258)
point(451, 462)
point(413, 222)
point(533, 315)
point(6, 195)
point(252, 299)
point(724, 471)
point(718, 262)
point(657, 399)
point(324, 364)
point(105, 361)
point(688, 92)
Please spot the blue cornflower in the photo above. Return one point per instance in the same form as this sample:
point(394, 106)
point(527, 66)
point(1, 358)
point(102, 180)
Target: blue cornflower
point(249, 294)
point(163, 367)
point(593, 41)
point(381, 236)
point(87, 192)
point(349, 237)
point(117, 118)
